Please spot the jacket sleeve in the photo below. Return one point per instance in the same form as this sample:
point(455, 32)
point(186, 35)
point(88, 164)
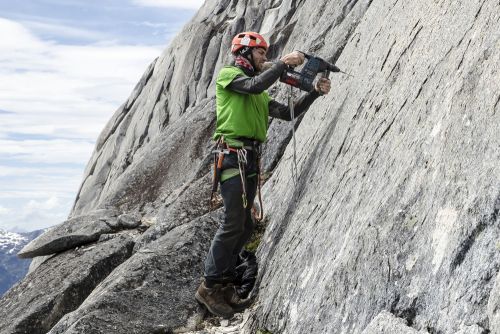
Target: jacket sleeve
point(300, 106)
point(258, 83)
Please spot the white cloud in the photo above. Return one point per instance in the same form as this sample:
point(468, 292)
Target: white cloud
point(62, 30)
point(7, 171)
point(153, 24)
point(16, 37)
point(39, 185)
point(46, 151)
point(62, 89)
point(23, 195)
point(37, 201)
point(188, 4)
point(58, 98)
point(4, 211)
point(71, 78)
point(35, 206)
point(38, 214)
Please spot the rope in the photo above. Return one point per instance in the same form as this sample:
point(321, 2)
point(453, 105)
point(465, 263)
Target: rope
point(292, 122)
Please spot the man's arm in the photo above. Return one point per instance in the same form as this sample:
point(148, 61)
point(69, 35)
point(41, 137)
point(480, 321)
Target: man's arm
point(259, 83)
point(300, 105)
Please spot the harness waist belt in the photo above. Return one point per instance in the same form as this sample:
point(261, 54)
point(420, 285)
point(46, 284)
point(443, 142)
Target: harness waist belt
point(250, 144)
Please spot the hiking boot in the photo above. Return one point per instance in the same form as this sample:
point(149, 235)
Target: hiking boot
point(231, 297)
point(213, 299)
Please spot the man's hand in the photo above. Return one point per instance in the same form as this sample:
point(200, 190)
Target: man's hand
point(323, 86)
point(295, 58)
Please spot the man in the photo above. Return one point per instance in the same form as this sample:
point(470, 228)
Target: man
point(243, 108)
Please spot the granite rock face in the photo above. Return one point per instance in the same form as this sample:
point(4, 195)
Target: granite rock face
point(494, 307)
point(59, 285)
point(398, 197)
point(387, 323)
point(392, 224)
point(152, 292)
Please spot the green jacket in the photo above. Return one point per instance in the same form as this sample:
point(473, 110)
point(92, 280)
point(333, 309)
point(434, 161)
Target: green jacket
point(240, 115)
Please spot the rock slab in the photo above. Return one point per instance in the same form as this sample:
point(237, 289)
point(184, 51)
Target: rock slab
point(71, 233)
point(59, 285)
point(153, 291)
point(387, 323)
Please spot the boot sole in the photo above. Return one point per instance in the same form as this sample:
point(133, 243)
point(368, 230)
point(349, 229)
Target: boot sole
point(238, 308)
point(202, 301)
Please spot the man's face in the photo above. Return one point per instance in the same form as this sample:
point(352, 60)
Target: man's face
point(259, 58)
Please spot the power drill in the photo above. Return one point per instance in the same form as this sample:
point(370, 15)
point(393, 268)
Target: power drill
point(304, 79)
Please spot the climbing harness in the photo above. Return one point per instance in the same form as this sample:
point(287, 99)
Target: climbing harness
point(292, 122)
point(221, 149)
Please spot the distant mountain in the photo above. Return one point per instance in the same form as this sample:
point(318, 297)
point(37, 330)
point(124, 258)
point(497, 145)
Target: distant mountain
point(12, 269)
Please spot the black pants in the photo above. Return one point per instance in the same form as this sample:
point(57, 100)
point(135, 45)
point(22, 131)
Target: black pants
point(238, 224)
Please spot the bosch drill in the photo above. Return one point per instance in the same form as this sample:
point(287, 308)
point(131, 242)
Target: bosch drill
point(304, 79)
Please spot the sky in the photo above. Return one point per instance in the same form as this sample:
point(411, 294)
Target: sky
point(65, 67)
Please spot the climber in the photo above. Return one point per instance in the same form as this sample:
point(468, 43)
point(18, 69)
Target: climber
point(243, 108)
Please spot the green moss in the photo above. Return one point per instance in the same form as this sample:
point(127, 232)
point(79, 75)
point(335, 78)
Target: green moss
point(252, 245)
point(265, 176)
point(263, 331)
point(260, 228)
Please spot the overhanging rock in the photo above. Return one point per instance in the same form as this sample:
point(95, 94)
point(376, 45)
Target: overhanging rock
point(72, 233)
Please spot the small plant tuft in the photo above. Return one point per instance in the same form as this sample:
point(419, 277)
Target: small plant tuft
point(263, 331)
point(260, 228)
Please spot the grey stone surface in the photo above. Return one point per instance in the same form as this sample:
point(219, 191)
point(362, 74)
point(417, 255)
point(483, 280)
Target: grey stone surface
point(473, 329)
point(59, 285)
point(71, 233)
point(153, 291)
point(387, 323)
point(128, 220)
point(185, 205)
point(397, 202)
point(494, 305)
point(37, 261)
point(154, 143)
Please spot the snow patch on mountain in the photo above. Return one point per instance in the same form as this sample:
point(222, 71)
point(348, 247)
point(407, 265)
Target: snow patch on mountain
point(11, 242)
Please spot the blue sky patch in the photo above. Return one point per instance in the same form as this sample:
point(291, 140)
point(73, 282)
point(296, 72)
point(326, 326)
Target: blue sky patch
point(83, 22)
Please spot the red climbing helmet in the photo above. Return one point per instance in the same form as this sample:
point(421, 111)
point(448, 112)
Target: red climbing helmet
point(248, 38)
